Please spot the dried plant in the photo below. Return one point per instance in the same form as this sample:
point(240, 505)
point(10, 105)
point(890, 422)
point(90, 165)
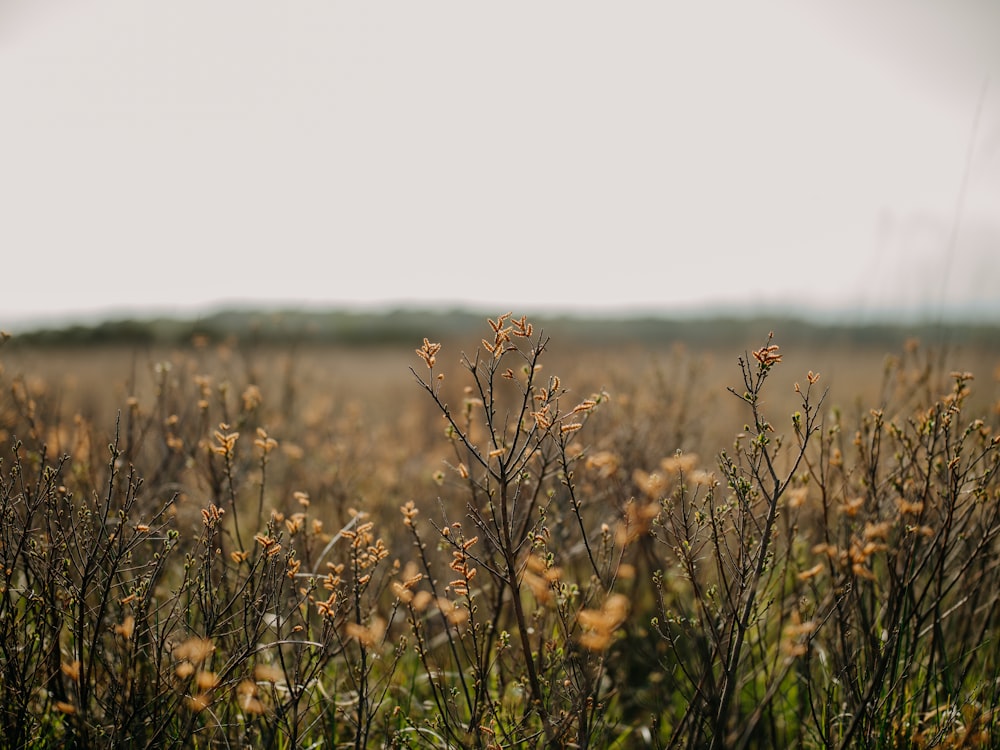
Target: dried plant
point(496, 560)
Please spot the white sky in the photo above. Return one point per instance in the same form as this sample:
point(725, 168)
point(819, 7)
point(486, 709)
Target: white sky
point(177, 155)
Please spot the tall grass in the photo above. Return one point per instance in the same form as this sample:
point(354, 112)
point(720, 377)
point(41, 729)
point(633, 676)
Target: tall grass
point(233, 556)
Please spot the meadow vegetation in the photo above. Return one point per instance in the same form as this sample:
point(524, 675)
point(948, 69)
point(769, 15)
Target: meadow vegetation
point(496, 542)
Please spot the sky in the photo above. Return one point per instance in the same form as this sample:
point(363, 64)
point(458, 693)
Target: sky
point(834, 158)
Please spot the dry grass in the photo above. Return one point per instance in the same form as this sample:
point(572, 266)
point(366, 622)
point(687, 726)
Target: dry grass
point(516, 546)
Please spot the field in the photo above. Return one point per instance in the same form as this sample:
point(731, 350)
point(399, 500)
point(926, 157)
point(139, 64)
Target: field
point(497, 539)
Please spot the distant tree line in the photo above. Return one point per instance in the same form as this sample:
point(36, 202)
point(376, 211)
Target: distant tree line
point(406, 326)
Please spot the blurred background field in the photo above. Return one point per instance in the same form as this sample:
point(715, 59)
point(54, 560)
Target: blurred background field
point(348, 374)
point(357, 355)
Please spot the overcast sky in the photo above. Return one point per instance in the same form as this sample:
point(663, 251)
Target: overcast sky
point(179, 155)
